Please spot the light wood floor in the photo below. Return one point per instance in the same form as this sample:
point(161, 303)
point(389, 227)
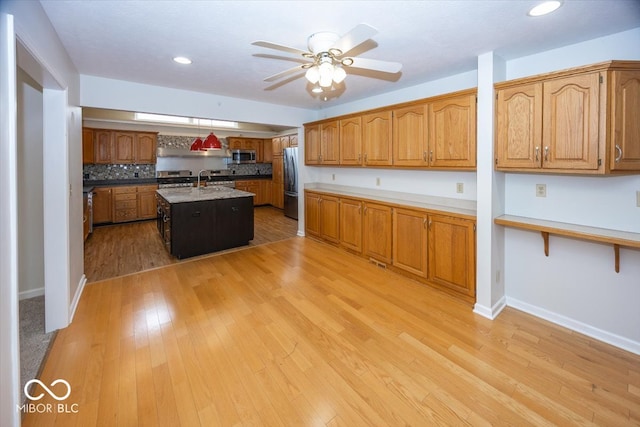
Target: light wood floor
point(116, 250)
point(296, 333)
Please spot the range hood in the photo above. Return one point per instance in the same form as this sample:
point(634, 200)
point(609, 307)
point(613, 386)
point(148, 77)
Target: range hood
point(185, 152)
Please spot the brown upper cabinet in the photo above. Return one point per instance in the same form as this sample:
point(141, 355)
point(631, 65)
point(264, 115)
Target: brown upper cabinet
point(579, 121)
point(118, 147)
point(437, 132)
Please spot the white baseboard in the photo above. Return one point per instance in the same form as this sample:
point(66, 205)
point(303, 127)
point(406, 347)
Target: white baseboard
point(574, 325)
point(493, 312)
point(31, 293)
point(300, 233)
point(76, 297)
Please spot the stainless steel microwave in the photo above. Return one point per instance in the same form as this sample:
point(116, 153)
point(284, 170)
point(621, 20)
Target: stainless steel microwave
point(243, 156)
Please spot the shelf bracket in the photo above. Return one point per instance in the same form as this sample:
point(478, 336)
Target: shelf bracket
point(545, 237)
point(616, 251)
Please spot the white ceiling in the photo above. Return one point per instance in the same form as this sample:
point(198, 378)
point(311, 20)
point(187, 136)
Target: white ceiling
point(136, 40)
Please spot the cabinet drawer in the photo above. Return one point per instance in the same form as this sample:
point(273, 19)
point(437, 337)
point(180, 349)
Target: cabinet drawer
point(126, 204)
point(125, 190)
point(126, 214)
point(123, 197)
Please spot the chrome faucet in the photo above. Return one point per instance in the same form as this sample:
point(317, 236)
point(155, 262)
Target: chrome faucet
point(200, 174)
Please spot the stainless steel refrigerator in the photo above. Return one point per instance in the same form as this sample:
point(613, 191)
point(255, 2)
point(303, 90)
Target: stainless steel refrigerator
point(290, 162)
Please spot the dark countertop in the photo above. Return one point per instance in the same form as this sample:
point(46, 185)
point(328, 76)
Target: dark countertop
point(143, 181)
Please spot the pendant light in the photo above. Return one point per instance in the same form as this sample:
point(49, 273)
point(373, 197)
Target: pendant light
point(211, 142)
point(197, 143)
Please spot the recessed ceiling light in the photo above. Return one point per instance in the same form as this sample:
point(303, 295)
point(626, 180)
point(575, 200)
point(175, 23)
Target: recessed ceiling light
point(182, 60)
point(545, 8)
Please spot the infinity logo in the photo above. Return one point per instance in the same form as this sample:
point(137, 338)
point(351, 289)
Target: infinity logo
point(52, 394)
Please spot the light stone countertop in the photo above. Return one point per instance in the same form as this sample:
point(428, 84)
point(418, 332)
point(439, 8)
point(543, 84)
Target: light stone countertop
point(190, 194)
point(433, 203)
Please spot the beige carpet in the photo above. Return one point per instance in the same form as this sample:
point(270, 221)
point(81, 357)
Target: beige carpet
point(34, 342)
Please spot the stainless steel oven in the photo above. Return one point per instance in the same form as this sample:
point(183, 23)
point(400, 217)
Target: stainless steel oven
point(243, 156)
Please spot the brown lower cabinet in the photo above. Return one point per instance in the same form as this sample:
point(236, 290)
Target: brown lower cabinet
point(102, 205)
point(124, 203)
point(260, 187)
point(433, 247)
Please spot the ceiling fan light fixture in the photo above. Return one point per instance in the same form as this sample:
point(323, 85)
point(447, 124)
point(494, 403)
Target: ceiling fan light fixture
point(317, 89)
point(313, 74)
point(339, 74)
point(326, 73)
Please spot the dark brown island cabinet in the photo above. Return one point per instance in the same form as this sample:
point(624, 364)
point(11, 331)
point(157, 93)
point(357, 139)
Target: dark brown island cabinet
point(194, 222)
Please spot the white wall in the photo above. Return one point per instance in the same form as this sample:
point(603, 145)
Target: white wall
point(30, 188)
point(576, 285)
point(100, 92)
point(25, 28)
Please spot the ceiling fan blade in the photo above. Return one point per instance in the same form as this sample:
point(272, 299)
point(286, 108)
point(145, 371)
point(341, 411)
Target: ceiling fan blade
point(276, 46)
point(283, 73)
point(376, 65)
point(358, 35)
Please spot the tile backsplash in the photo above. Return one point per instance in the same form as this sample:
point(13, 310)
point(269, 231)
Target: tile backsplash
point(110, 172)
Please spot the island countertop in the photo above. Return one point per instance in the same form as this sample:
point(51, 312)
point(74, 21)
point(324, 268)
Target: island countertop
point(190, 194)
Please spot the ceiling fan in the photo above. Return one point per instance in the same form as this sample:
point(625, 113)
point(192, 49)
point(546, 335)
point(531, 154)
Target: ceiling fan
point(329, 59)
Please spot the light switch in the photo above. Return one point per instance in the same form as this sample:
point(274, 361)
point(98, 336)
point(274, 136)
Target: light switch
point(541, 190)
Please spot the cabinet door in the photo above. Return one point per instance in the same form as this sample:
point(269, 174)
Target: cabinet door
point(329, 219)
point(452, 258)
point(410, 241)
point(102, 205)
point(276, 147)
point(410, 136)
point(351, 224)
point(312, 145)
point(124, 151)
point(267, 151)
point(625, 122)
point(145, 146)
point(277, 169)
point(146, 199)
point(329, 143)
point(377, 232)
point(570, 122)
point(103, 144)
point(293, 140)
point(376, 139)
point(351, 141)
point(452, 132)
point(519, 127)
point(87, 146)
point(312, 214)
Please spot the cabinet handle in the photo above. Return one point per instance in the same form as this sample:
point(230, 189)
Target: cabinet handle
point(424, 156)
point(619, 151)
point(546, 153)
point(429, 224)
point(430, 156)
point(359, 157)
point(365, 157)
point(537, 153)
point(424, 223)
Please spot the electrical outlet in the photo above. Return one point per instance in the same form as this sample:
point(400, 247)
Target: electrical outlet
point(460, 187)
point(638, 198)
point(541, 190)
point(378, 182)
point(333, 177)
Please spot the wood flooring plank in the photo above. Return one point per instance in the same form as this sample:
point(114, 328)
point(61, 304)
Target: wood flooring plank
point(296, 333)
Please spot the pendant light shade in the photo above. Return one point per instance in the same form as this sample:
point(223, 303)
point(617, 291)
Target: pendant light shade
point(211, 142)
point(197, 144)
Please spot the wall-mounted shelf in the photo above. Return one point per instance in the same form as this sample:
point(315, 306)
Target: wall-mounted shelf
point(603, 235)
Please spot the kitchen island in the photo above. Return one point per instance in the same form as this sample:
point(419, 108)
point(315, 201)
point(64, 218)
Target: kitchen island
point(198, 221)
